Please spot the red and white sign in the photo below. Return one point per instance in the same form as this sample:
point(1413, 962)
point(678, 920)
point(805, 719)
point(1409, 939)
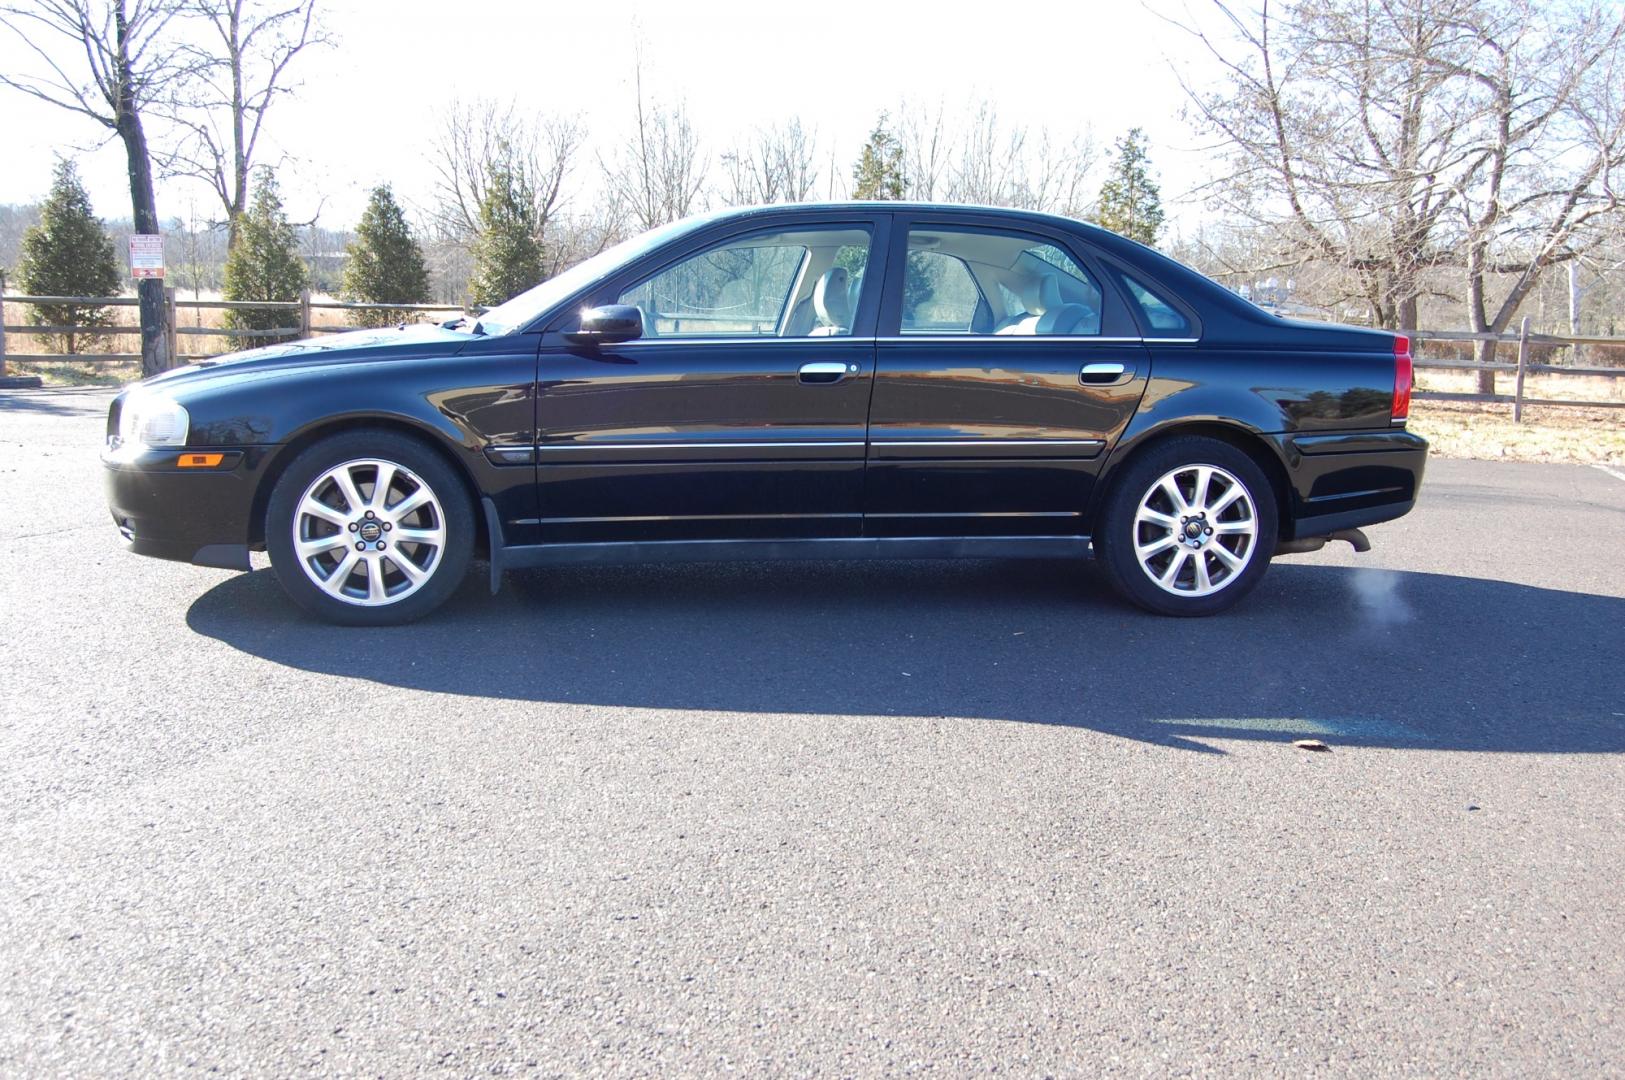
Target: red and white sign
point(146, 256)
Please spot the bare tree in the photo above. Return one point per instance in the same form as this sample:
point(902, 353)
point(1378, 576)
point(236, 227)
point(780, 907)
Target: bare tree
point(108, 61)
point(581, 236)
point(477, 138)
point(984, 159)
point(659, 173)
point(927, 158)
point(989, 166)
point(1551, 155)
point(778, 164)
point(1059, 172)
point(237, 70)
point(1430, 148)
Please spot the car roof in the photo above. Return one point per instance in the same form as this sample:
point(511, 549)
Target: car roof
point(906, 206)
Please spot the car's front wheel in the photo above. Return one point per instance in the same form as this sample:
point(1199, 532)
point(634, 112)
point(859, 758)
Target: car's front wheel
point(1189, 528)
point(369, 528)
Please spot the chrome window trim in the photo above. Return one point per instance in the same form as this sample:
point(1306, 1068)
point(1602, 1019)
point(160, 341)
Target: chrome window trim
point(894, 339)
point(1073, 338)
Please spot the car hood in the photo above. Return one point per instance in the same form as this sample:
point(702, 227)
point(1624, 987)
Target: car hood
point(369, 346)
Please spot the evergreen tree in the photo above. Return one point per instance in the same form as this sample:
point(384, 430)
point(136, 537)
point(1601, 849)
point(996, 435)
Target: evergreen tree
point(507, 253)
point(68, 254)
point(385, 263)
point(263, 263)
point(879, 172)
point(1130, 201)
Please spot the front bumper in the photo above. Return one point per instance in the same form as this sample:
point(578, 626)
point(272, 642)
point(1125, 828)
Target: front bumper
point(1350, 480)
point(203, 516)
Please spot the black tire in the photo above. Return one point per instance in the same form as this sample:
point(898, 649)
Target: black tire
point(1118, 530)
point(419, 465)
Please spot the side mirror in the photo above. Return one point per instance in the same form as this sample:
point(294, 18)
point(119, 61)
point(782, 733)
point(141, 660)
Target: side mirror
point(607, 325)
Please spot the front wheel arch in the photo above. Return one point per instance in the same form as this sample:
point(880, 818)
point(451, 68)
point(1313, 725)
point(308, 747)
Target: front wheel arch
point(1262, 452)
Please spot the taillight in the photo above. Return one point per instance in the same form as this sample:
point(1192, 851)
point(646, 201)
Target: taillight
point(1402, 377)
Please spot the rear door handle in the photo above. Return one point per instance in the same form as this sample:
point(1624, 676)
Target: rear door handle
point(826, 371)
point(1104, 374)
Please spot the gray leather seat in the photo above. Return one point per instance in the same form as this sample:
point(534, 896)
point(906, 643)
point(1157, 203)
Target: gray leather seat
point(1048, 313)
point(1032, 300)
point(1056, 316)
point(832, 302)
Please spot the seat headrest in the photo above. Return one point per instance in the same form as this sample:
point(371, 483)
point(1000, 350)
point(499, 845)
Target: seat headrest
point(1049, 293)
point(832, 298)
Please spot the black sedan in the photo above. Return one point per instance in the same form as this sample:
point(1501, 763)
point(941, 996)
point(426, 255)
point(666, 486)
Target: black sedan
point(844, 380)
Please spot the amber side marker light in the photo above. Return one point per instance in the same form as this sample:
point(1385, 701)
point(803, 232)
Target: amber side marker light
point(200, 461)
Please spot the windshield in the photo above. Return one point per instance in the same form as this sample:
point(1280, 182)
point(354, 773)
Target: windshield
point(515, 314)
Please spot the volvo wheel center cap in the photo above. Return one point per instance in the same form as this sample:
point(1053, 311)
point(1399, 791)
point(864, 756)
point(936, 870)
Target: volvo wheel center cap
point(370, 531)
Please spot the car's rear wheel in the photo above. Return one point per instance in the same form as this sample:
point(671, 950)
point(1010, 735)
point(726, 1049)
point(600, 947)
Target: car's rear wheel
point(369, 528)
point(1189, 528)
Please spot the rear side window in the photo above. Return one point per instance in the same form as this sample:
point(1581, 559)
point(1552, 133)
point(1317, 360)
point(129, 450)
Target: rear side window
point(939, 294)
point(1159, 316)
point(987, 281)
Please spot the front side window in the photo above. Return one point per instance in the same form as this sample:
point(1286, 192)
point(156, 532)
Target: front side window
point(963, 282)
point(794, 283)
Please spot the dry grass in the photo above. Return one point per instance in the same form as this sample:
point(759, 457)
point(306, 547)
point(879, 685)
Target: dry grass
point(72, 373)
point(1461, 429)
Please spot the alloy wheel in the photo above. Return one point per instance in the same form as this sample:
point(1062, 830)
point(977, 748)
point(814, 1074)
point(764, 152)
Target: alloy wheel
point(1195, 530)
point(369, 532)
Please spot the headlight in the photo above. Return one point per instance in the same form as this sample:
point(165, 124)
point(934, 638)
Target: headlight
point(152, 419)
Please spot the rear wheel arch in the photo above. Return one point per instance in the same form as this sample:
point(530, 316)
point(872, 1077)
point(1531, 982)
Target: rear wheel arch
point(1261, 450)
point(308, 437)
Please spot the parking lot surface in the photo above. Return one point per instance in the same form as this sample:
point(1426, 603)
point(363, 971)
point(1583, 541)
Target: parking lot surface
point(817, 818)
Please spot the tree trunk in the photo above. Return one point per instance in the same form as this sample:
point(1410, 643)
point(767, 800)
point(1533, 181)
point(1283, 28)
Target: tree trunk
point(1407, 314)
point(144, 211)
point(1485, 351)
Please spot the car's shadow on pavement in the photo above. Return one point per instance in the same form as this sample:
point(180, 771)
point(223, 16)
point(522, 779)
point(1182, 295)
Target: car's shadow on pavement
point(1352, 656)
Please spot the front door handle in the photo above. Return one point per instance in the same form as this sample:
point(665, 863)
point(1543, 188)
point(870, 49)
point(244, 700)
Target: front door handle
point(826, 371)
point(1104, 374)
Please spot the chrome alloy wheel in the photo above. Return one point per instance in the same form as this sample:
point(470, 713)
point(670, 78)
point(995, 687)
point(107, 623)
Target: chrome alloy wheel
point(369, 532)
point(1195, 530)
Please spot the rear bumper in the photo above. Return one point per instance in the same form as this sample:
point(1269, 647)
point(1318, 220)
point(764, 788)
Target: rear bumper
point(1346, 480)
point(199, 516)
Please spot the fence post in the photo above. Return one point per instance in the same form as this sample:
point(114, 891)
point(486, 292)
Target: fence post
point(1523, 364)
point(304, 313)
point(2, 323)
point(171, 334)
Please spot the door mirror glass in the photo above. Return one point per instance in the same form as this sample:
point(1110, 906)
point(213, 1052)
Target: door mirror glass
point(607, 324)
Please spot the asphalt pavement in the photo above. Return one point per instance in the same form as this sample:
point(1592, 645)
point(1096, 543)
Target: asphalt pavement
point(817, 818)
